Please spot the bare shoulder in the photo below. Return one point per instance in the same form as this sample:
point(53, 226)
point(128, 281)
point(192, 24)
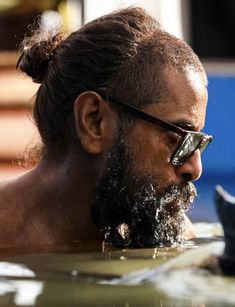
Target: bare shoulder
point(10, 201)
point(6, 191)
point(12, 211)
point(13, 196)
point(9, 204)
point(12, 187)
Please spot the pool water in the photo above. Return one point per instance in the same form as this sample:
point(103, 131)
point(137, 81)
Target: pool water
point(82, 275)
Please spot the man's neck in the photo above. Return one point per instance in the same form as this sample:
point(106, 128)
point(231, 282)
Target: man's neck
point(70, 188)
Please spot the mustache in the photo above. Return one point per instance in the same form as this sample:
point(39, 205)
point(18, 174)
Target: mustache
point(178, 197)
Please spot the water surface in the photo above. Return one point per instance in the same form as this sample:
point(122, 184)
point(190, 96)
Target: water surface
point(79, 275)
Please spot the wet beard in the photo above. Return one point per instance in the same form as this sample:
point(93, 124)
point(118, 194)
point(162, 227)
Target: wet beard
point(132, 211)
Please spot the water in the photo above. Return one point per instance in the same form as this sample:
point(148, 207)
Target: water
point(72, 275)
point(82, 275)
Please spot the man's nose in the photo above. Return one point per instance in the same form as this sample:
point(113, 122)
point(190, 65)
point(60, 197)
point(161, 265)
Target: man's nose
point(191, 170)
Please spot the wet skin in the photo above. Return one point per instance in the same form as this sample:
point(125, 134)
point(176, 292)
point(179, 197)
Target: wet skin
point(152, 146)
point(51, 203)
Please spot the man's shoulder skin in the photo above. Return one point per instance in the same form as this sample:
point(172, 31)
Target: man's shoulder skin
point(10, 212)
point(20, 220)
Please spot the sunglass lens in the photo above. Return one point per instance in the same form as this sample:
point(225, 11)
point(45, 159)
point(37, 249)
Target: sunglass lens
point(204, 143)
point(187, 148)
point(191, 142)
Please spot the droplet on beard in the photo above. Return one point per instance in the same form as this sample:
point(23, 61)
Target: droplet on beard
point(123, 230)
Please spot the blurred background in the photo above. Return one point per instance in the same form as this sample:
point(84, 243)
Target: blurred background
point(208, 26)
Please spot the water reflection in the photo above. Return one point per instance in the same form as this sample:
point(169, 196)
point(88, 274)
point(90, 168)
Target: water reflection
point(14, 269)
point(71, 276)
point(25, 292)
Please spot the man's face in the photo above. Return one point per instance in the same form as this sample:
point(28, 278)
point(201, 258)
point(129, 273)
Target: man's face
point(142, 197)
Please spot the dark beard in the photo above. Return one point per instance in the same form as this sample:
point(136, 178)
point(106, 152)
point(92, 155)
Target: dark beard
point(132, 211)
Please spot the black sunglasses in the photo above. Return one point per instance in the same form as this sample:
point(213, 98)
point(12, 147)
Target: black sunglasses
point(189, 143)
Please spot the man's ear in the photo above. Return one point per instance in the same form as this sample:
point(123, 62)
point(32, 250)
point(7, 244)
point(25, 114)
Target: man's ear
point(95, 122)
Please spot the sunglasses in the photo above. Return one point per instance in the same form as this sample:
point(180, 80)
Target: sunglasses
point(190, 140)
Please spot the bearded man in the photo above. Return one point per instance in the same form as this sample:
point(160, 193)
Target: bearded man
point(120, 111)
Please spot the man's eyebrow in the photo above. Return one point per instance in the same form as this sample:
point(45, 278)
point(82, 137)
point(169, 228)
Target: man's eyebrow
point(184, 124)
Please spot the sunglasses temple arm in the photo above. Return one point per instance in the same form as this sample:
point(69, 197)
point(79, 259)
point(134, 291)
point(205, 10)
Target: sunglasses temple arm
point(152, 119)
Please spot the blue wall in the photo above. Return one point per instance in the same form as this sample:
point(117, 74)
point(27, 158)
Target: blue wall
point(219, 159)
point(220, 122)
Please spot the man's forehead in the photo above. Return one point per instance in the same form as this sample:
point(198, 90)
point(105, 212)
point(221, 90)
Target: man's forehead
point(196, 79)
point(186, 101)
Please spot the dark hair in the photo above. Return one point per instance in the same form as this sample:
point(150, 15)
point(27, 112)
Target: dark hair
point(124, 52)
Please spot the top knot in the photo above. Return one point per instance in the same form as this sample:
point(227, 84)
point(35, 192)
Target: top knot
point(36, 53)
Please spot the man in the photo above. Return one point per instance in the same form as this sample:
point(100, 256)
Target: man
point(119, 110)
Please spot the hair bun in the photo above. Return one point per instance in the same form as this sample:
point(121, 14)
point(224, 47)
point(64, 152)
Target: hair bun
point(36, 53)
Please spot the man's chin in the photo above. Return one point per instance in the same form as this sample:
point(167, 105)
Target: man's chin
point(166, 230)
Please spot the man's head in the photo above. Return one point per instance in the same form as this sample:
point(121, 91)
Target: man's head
point(142, 196)
point(123, 57)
